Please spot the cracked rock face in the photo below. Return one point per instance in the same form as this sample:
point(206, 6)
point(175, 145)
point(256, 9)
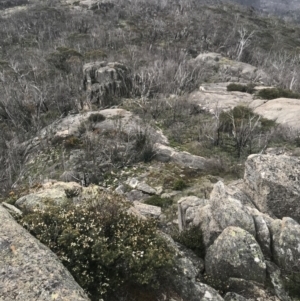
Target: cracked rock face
point(286, 244)
point(273, 182)
point(29, 270)
point(105, 81)
point(235, 254)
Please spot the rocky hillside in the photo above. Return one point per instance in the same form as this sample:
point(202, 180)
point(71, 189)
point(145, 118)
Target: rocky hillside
point(287, 8)
point(149, 151)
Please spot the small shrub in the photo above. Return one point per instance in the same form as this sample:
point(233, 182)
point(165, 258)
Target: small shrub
point(95, 55)
point(71, 142)
point(156, 200)
point(144, 147)
point(60, 57)
point(241, 88)
point(103, 247)
point(97, 117)
point(291, 282)
point(192, 239)
point(274, 93)
point(179, 184)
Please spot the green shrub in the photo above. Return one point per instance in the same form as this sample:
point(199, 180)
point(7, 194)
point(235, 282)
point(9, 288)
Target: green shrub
point(291, 282)
point(156, 200)
point(97, 117)
point(192, 239)
point(241, 88)
point(103, 247)
point(95, 54)
point(59, 58)
point(179, 184)
point(274, 93)
point(71, 142)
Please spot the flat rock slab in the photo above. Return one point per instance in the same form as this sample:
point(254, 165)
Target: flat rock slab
point(215, 97)
point(273, 184)
point(220, 100)
point(184, 159)
point(282, 110)
point(29, 270)
point(147, 210)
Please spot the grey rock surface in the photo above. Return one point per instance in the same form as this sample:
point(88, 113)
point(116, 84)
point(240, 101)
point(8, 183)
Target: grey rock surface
point(229, 69)
point(187, 210)
point(57, 194)
point(221, 211)
point(186, 278)
point(234, 297)
point(228, 211)
point(105, 81)
point(29, 270)
point(277, 282)
point(147, 210)
point(14, 211)
point(136, 195)
point(184, 159)
point(286, 244)
point(235, 254)
point(273, 183)
point(251, 290)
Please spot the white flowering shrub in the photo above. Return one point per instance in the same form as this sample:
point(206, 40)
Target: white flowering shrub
point(103, 247)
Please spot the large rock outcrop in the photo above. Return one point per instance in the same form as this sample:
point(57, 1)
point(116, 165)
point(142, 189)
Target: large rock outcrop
point(215, 215)
point(105, 81)
point(286, 244)
point(273, 183)
point(29, 270)
point(235, 254)
point(231, 70)
point(189, 268)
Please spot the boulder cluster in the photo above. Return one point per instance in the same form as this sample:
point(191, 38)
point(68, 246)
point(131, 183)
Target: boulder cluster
point(250, 228)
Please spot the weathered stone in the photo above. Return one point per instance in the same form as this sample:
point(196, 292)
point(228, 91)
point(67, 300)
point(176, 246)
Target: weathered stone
point(235, 253)
point(228, 211)
point(222, 211)
point(232, 69)
point(286, 244)
point(208, 225)
point(145, 188)
point(187, 209)
point(168, 154)
point(120, 190)
point(170, 195)
point(136, 195)
point(50, 194)
point(234, 297)
point(188, 271)
point(133, 182)
point(276, 280)
point(250, 290)
point(29, 270)
point(263, 236)
point(147, 210)
point(12, 209)
point(105, 81)
point(273, 182)
point(284, 111)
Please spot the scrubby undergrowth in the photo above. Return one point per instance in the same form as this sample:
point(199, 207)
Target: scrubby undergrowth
point(104, 248)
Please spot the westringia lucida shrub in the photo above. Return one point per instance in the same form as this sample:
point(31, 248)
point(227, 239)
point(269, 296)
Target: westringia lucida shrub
point(96, 117)
point(180, 184)
point(241, 88)
point(156, 200)
point(273, 93)
point(192, 238)
point(103, 247)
